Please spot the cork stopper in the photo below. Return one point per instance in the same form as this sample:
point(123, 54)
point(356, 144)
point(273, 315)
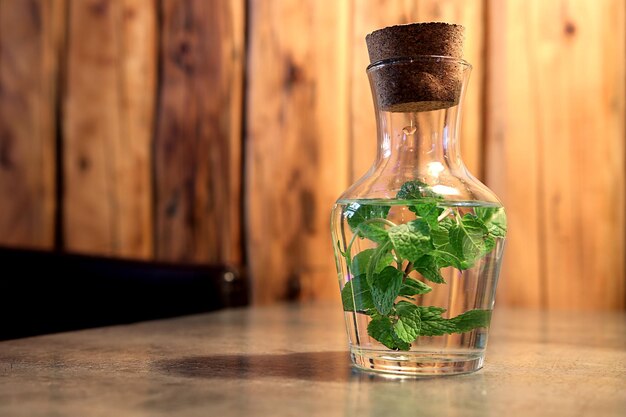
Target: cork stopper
point(415, 82)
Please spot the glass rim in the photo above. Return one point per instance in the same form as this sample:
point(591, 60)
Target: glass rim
point(417, 58)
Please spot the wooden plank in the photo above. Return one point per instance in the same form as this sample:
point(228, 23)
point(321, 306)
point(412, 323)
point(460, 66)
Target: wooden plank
point(198, 139)
point(469, 13)
point(556, 151)
point(511, 151)
point(370, 15)
point(108, 119)
point(296, 145)
point(31, 37)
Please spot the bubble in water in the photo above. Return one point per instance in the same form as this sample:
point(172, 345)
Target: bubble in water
point(409, 130)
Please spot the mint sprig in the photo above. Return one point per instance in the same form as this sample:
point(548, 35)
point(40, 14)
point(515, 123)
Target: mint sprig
point(362, 260)
point(382, 329)
point(438, 238)
point(411, 240)
point(385, 288)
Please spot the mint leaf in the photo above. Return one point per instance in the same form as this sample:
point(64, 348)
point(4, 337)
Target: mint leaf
point(409, 323)
point(361, 262)
point(471, 320)
point(415, 190)
point(385, 288)
point(444, 252)
point(357, 213)
point(412, 287)
point(411, 240)
point(435, 325)
point(356, 296)
point(375, 232)
point(468, 239)
point(429, 211)
point(432, 322)
point(494, 219)
point(407, 328)
point(381, 329)
point(427, 321)
point(440, 234)
point(428, 267)
point(446, 258)
point(379, 253)
point(460, 244)
point(426, 205)
point(490, 243)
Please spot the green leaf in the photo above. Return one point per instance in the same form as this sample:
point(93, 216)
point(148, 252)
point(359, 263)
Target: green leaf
point(428, 267)
point(385, 288)
point(494, 219)
point(435, 325)
point(432, 322)
point(375, 232)
point(468, 239)
point(411, 240)
point(356, 295)
point(381, 329)
point(409, 323)
point(407, 328)
point(490, 243)
point(444, 253)
point(412, 287)
point(440, 234)
point(361, 262)
point(471, 320)
point(426, 200)
point(380, 252)
point(429, 211)
point(460, 244)
point(415, 190)
point(427, 321)
point(445, 257)
point(357, 213)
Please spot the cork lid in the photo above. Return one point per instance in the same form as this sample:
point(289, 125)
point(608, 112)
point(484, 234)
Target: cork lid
point(406, 74)
point(416, 39)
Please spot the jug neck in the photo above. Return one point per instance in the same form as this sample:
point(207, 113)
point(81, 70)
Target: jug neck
point(418, 113)
point(423, 143)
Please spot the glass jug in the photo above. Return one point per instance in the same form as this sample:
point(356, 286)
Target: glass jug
point(418, 240)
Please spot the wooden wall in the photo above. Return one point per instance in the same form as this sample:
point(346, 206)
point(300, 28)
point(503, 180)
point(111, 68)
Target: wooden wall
point(120, 127)
point(222, 132)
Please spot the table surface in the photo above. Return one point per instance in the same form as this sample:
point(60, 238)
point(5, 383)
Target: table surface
point(293, 360)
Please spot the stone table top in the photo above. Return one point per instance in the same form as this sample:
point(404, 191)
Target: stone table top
point(292, 359)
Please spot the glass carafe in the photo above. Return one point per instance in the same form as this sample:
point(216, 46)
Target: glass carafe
point(418, 240)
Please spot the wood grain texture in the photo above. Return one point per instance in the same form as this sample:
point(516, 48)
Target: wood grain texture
point(370, 15)
point(31, 38)
point(108, 125)
point(148, 98)
point(198, 140)
point(556, 150)
point(296, 145)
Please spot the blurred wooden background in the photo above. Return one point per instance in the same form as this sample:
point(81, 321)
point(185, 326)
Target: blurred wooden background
point(222, 131)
